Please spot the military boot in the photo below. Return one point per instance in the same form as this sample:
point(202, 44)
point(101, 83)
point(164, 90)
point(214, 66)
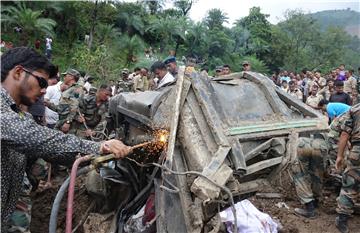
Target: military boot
point(341, 223)
point(308, 212)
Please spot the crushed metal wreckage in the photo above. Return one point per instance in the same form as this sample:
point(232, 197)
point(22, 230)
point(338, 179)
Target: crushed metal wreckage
point(228, 137)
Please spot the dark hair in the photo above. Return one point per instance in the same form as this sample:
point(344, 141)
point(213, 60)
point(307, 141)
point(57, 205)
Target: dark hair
point(329, 80)
point(105, 87)
point(55, 76)
point(339, 83)
point(226, 65)
point(322, 103)
point(137, 69)
point(26, 57)
point(304, 71)
point(291, 82)
point(205, 68)
point(145, 69)
point(158, 65)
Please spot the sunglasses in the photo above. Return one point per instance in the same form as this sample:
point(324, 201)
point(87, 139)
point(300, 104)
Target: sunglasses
point(42, 82)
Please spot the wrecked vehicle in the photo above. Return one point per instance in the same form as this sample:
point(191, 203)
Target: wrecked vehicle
point(227, 137)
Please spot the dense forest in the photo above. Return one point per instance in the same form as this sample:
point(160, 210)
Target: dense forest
point(102, 37)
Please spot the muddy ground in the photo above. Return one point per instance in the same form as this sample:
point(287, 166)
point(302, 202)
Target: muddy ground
point(291, 223)
point(325, 221)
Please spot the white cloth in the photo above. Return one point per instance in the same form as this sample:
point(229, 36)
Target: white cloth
point(168, 78)
point(113, 89)
point(249, 219)
point(48, 43)
point(53, 95)
point(87, 86)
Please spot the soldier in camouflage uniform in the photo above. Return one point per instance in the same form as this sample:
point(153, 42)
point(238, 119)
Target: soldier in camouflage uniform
point(94, 109)
point(350, 126)
point(307, 173)
point(20, 219)
point(333, 140)
point(68, 108)
point(124, 84)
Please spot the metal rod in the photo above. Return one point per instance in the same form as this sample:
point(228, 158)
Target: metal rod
point(141, 145)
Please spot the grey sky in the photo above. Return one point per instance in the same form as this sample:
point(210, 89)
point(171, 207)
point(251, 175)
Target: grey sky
point(236, 9)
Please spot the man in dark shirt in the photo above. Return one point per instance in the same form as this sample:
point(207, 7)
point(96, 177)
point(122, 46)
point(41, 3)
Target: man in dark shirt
point(24, 75)
point(340, 96)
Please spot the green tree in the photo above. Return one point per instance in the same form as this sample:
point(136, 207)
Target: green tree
point(106, 33)
point(241, 37)
point(133, 23)
point(167, 30)
point(299, 31)
point(184, 6)
point(154, 6)
point(130, 47)
point(99, 62)
point(30, 21)
point(197, 40)
point(215, 18)
point(259, 28)
point(329, 48)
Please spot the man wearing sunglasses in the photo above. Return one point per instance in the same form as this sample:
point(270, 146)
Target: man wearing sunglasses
point(24, 75)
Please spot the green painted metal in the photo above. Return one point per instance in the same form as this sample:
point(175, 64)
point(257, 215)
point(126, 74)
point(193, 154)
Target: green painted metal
point(255, 128)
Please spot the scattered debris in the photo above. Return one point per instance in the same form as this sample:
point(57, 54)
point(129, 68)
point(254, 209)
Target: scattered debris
point(282, 205)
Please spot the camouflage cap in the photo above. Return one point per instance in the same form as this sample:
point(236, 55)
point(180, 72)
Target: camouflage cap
point(125, 71)
point(72, 72)
point(246, 63)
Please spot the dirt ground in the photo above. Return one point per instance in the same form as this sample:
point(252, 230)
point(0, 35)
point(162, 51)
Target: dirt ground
point(291, 223)
point(325, 221)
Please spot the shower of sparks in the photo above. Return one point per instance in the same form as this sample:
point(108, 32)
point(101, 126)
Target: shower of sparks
point(159, 142)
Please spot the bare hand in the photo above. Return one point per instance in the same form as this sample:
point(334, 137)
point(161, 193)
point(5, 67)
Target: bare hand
point(89, 133)
point(119, 149)
point(339, 163)
point(65, 128)
point(81, 119)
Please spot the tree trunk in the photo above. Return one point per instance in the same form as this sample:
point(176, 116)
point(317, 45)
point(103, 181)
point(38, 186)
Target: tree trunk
point(177, 46)
point(92, 30)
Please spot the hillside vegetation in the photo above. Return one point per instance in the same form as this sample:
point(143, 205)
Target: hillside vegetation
point(136, 34)
point(346, 19)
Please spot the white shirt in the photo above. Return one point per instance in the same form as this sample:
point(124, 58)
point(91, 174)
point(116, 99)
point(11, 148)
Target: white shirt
point(48, 43)
point(53, 94)
point(113, 88)
point(168, 78)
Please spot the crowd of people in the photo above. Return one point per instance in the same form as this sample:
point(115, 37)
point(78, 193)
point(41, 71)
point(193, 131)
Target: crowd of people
point(340, 86)
point(53, 116)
